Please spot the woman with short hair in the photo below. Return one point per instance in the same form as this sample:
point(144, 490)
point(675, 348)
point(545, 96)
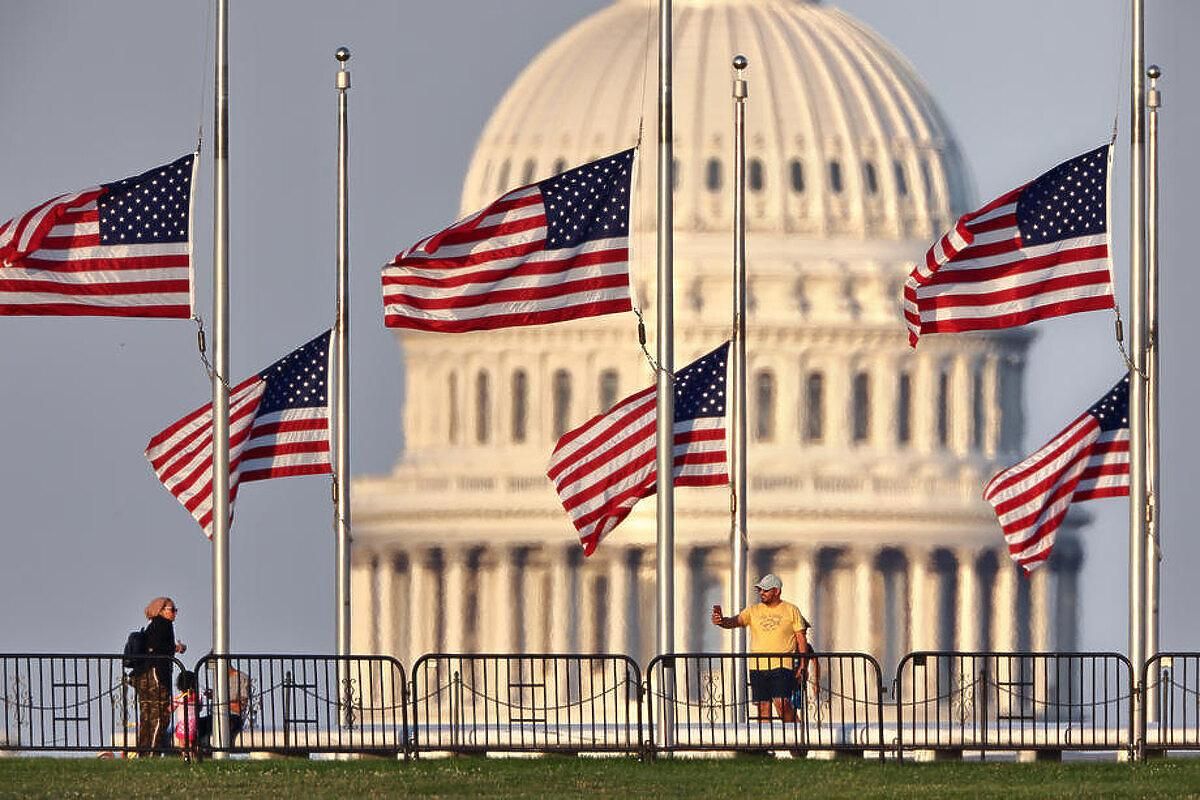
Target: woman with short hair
point(153, 681)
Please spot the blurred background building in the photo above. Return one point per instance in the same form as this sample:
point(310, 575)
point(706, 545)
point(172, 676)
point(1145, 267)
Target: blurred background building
point(867, 458)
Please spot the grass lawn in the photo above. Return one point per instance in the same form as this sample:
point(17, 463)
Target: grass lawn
point(593, 778)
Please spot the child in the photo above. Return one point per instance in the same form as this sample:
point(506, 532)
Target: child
point(186, 711)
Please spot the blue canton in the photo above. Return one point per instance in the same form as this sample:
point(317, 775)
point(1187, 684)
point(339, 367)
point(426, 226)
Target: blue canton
point(700, 387)
point(299, 379)
point(589, 202)
point(151, 208)
point(1112, 410)
point(1066, 202)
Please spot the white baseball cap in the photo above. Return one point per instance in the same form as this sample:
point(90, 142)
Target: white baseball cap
point(769, 581)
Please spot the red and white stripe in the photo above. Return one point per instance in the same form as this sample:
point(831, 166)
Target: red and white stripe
point(1031, 498)
point(602, 468)
point(282, 444)
point(492, 270)
point(52, 264)
point(980, 276)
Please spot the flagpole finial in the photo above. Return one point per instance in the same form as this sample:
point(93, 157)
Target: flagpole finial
point(342, 54)
point(1155, 72)
point(740, 62)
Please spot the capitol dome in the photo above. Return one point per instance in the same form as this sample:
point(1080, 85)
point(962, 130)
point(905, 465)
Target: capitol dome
point(866, 458)
point(843, 138)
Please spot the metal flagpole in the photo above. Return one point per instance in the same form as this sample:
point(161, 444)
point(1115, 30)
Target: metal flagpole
point(738, 537)
point(1153, 552)
point(1137, 396)
point(220, 389)
point(665, 341)
point(341, 478)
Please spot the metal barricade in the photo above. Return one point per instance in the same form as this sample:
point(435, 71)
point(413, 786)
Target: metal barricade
point(526, 703)
point(302, 704)
point(836, 704)
point(67, 702)
point(1172, 686)
point(954, 701)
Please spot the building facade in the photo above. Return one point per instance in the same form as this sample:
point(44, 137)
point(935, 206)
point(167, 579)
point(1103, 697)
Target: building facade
point(866, 458)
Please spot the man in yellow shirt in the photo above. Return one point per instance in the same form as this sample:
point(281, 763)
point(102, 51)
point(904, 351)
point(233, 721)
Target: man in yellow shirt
point(775, 626)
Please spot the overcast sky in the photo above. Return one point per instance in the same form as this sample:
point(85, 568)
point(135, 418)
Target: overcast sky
point(93, 92)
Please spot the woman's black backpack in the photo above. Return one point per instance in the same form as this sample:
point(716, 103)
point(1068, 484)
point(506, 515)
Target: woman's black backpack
point(133, 657)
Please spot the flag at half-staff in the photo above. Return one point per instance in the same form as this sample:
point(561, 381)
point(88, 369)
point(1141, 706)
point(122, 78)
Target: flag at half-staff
point(1087, 460)
point(1039, 251)
point(120, 249)
point(551, 251)
point(603, 467)
point(278, 427)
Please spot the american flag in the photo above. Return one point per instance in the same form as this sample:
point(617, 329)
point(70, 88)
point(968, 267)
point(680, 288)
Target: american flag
point(602, 468)
point(547, 252)
point(1089, 459)
point(1039, 251)
point(120, 249)
point(278, 427)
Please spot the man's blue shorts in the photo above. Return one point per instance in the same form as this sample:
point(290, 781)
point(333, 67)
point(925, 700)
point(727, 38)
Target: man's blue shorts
point(769, 684)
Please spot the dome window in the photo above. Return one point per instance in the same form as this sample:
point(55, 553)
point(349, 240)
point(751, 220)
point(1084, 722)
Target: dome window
point(520, 405)
point(901, 178)
point(764, 406)
point(562, 402)
point(483, 407)
point(943, 409)
point(977, 409)
point(797, 174)
point(904, 410)
point(560, 166)
point(835, 176)
point(712, 175)
point(861, 407)
point(609, 386)
point(502, 178)
point(871, 178)
point(756, 175)
point(927, 177)
point(527, 176)
point(814, 407)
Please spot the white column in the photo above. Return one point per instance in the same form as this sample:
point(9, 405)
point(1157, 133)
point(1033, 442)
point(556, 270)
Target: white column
point(1041, 608)
point(454, 560)
point(967, 615)
point(991, 406)
point(866, 614)
point(960, 401)
point(924, 399)
point(363, 606)
point(647, 644)
point(801, 586)
point(685, 587)
point(1004, 605)
point(388, 641)
point(500, 603)
point(922, 599)
point(618, 602)
point(558, 562)
point(837, 405)
point(884, 389)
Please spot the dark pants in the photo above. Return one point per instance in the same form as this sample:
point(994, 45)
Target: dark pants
point(154, 712)
point(770, 684)
point(204, 727)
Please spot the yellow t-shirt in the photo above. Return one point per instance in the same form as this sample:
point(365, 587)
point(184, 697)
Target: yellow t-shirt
point(773, 629)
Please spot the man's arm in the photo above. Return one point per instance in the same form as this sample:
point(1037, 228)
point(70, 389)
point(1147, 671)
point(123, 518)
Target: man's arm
point(725, 622)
